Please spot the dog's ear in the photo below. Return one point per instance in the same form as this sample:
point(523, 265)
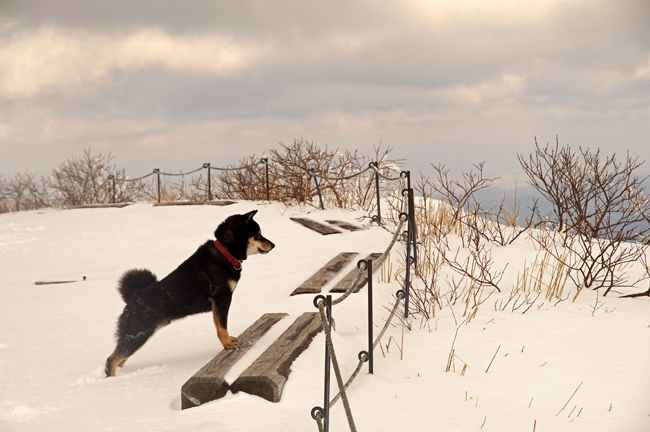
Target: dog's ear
point(248, 216)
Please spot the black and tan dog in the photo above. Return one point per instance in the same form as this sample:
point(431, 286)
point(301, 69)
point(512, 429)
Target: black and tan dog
point(204, 282)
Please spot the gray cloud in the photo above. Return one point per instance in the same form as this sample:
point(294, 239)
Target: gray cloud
point(439, 81)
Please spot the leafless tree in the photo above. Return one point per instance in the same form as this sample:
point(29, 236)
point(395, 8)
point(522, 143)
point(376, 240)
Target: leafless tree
point(646, 267)
point(476, 266)
point(16, 191)
point(500, 225)
point(468, 270)
point(248, 183)
point(460, 195)
point(292, 172)
point(598, 212)
point(4, 197)
point(86, 179)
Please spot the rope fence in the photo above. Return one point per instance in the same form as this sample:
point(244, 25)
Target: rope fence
point(324, 305)
point(247, 183)
point(310, 172)
point(342, 180)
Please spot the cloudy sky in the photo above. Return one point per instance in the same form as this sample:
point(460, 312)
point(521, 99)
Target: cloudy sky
point(178, 83)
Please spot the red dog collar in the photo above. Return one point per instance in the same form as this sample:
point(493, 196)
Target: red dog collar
point(234, 261)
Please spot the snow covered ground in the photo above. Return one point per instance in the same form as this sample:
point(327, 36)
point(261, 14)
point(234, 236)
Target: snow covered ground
point(54, 339)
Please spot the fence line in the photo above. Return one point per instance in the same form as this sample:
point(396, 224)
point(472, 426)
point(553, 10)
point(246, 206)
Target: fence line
point(108, 190)
point(325, 304)
point(311, 172)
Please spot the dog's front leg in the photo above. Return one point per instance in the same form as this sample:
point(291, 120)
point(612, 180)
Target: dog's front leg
point(220, 309)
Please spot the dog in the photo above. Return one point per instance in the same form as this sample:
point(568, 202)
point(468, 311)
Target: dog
point(204, 282)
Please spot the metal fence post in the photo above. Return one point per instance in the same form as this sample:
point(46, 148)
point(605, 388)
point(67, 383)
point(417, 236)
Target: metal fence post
point(411, 239)
point(325, 411)
point(376, 165)
point(265, 161)
point(112, 177)
point(207, 166)
point(157, 171)
point(407, 281)
point(370, 335)
point(34, 192)
point(320, 197)
point(413, 230)
point(327, 367)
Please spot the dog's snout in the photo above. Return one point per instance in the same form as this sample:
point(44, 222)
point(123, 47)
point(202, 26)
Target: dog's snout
point(266, 245)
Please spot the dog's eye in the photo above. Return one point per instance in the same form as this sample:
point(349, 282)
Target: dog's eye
point(257, 236)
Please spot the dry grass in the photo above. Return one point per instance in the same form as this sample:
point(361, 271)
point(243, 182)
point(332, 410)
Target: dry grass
point(545, 274)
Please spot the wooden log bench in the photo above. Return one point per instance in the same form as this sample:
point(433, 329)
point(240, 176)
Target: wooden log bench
point(267, 376)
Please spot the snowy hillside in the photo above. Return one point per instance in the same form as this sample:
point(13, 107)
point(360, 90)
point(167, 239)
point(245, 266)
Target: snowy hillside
point(54, 339)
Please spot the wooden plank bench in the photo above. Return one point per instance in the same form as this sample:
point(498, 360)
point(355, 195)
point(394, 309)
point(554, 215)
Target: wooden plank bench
point(345, 283)
point(315, 283)
point(267, 376)
point(316, 226)
point(209, 382)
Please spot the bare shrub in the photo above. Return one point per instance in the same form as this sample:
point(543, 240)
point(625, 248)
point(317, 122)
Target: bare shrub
point(292, 170)
point(86, 179)
point(446, 275)
point(198, 188)
point(460, 195)
point(42, 193)
point(499, 224)
point(248, 183)
point(16, 192)
point(477, 265)
point(4, 198)
point(597, 225)
point(175, 187)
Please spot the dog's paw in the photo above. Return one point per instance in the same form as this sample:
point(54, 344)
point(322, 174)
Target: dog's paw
point(233, 345)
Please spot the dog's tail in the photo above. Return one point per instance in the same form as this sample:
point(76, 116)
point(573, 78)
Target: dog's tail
point(134, 280)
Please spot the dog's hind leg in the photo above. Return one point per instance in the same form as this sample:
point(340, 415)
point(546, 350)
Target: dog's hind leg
point(112, 362)
point(126, 347)
point(133, 330)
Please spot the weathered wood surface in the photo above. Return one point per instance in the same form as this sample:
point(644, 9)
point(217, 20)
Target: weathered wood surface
point(93, 206)
point(209, 382)
point(179, 203)
point(318, 280)
point(345, 283)
point(267, 376)
point(344, 225)
point(316, 226)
